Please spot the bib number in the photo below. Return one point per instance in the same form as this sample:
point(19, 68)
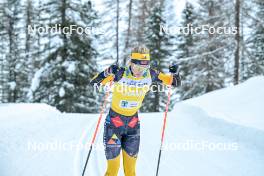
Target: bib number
point(128, 104)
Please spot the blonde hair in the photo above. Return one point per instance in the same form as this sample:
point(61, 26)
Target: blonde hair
point(140, 49)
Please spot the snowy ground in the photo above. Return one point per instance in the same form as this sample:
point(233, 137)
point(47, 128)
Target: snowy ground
point(220, 134)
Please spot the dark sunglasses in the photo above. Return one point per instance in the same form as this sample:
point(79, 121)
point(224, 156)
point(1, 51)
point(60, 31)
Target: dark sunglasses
point(140, 62)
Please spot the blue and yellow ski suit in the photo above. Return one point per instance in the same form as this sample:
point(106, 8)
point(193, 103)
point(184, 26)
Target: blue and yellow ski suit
point(122, 126)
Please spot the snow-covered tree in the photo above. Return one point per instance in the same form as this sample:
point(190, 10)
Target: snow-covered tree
point(63, 79)
point(113, 20)
point(15, 75)
point(255, 62)
point(32, 42)
point(2, 58)
point(209, 52)
point(185, 50)
point(160, 47)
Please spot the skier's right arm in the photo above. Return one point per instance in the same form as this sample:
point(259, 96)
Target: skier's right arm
point(105, 76)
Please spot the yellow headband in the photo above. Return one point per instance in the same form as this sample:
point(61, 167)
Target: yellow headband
point(139, 56)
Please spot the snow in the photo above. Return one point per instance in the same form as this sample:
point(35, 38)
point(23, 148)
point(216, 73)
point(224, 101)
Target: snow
point(12, 85)
point(70, 66)
point(238, 104)
point(8, 12)
point(200, 139)
point(35, 81)
point(62, 92)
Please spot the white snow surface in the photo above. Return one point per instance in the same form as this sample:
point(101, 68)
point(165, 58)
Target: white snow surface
point(220, 134)
point(242, 104)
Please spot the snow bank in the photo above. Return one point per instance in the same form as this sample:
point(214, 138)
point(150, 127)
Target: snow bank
point(26, 110)
point(241, 104)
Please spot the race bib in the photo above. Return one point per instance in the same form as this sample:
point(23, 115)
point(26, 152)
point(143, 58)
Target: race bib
point(128, 104)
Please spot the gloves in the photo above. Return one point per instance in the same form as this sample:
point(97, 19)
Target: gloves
point(97, 79)
point(113, 69)
point(174, 69)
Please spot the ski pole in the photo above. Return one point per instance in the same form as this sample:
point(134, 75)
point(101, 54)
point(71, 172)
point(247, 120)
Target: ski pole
point(97, 127)
point(163, 128)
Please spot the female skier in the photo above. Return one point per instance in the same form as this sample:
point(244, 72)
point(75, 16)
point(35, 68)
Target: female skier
point(122, 127)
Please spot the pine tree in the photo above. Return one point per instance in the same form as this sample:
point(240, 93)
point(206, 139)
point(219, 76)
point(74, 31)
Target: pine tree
point(160, 50)
point(185, 50)
point(2, 60)
point(142, 11)
point(209, 53)
point(63, 80)
point(138, 12)
point(114, 21)
point(32, 45)
point(15, 75)
point(29, 48)
point(255, 65)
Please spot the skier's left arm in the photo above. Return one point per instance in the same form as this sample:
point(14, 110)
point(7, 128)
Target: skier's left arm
point(173, 79)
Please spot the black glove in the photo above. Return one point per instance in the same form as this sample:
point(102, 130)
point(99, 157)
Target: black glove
point(174, 68)
point(113, 69)
point(176, 80)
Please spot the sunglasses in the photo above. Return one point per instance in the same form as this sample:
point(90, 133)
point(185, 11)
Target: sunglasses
point(140, 62)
